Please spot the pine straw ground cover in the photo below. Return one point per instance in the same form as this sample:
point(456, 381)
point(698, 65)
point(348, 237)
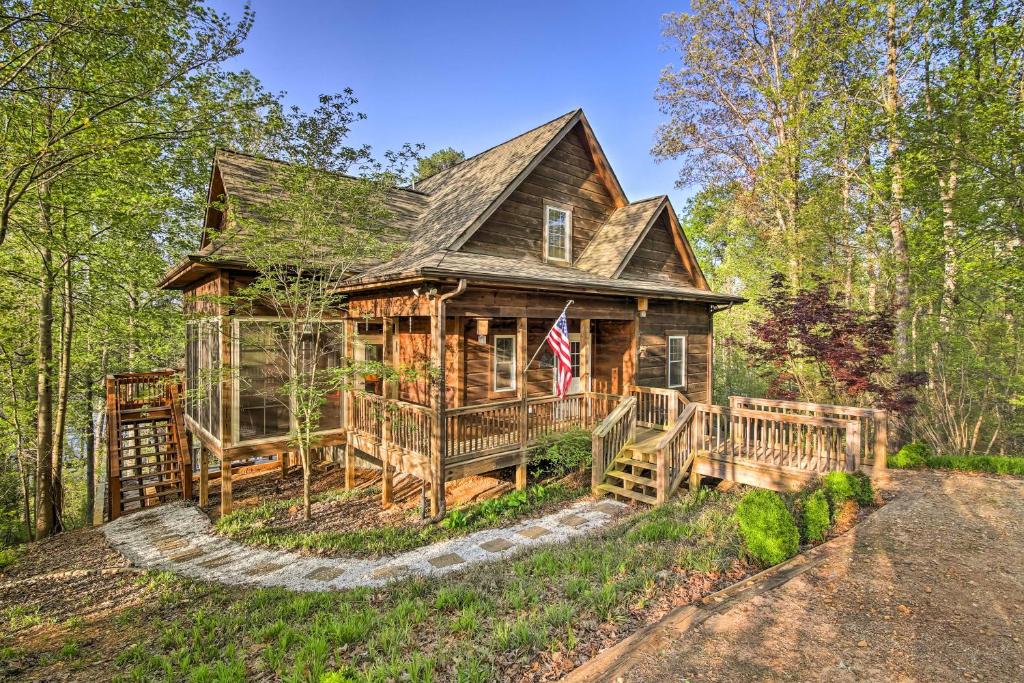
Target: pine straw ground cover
point(533, 617)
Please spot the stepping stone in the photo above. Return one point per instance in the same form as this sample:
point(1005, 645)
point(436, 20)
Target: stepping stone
point(324, 574)
point(607, 508)
point(218, 561)
point(497, 545)
point(187, 555)
point(264, 569)
point(532, 532)
point(389, 571)
point(446, 560)
point(171, 544)
point(573, 520)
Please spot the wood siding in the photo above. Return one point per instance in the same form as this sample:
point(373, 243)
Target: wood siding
point(568, 177)
point(665, 318)
point(656, 257)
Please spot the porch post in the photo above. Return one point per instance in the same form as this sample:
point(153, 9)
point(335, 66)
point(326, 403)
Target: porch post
point(204, 475)
point(283, 458)
point(711, 356)
point(225, 486)
point(524, 393)
point(388, 354)
point(387, 477)
point(629, 364)
point(347, 417)
point(585, 355)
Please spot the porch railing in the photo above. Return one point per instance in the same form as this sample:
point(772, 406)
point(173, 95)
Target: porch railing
point(803, 442)
point(674, 452)
point(874, 433)
point(657, 408)
point(611, 436)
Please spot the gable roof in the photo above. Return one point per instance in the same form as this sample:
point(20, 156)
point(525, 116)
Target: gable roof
point(436, 218)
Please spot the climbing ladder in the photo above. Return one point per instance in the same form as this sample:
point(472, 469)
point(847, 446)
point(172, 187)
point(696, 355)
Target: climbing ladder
point(147, 447)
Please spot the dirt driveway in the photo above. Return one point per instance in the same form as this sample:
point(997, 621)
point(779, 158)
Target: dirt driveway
point(929, 588)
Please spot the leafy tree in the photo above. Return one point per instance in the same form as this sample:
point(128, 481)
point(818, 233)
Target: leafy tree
point(434, 163)
point(318, 225)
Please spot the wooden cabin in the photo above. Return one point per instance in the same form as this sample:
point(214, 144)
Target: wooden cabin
point(495, 247)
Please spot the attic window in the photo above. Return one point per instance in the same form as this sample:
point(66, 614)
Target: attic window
point(557, 233)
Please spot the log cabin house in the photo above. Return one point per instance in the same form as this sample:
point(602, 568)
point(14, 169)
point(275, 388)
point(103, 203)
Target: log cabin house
point(495, 246)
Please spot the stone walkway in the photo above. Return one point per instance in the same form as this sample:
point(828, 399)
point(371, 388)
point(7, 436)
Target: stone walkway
point(179, 538)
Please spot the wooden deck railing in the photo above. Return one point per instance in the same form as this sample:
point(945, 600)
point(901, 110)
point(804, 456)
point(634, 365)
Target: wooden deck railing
point(657, 408)
point(674, 452)
point(803, 442)
point(611, 435)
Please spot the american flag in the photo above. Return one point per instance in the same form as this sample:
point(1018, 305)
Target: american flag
point(558, 340)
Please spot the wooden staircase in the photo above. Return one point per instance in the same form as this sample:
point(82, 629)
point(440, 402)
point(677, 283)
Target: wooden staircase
point(147, 447)
point(648, 467)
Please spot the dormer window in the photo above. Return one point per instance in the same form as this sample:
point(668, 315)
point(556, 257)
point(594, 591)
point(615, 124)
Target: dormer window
point(557, 233)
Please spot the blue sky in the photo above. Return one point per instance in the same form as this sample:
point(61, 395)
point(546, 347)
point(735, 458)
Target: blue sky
point(472, 74)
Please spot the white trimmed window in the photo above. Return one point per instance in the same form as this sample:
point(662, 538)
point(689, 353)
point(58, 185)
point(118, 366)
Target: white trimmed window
point(504, 362)
point(677, 361)
point(557, 233)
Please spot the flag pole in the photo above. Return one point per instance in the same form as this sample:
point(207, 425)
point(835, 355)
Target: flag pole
point(537, 352)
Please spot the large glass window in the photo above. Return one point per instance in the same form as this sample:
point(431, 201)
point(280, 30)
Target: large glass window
point(504, 362)
point(557, 233)
point(677, 361)
point(264, 348)
point(202, 374)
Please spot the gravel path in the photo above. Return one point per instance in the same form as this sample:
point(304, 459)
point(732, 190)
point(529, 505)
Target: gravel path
point(929, 588)
point(180, 539)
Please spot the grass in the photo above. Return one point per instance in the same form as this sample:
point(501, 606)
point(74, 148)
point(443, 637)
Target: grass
point(254, 525)
point(8, 556)
point(991, 464)
point(492, 620)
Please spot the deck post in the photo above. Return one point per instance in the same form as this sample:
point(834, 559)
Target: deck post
point(283, 457)
point(852, 445)
point(387, 478)
point(881, 447)
point(522, 340)
point(204, 475)
point(350, 468)
point(436, 467)
point(114, 459)
point(585, 355)
point(389, 339)
point(225, 486)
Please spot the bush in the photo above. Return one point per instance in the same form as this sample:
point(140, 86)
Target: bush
point(559, 454)
point(839, 487)
point(815, 520)
point(769, 533)
point(992, 464)
point(912, 456)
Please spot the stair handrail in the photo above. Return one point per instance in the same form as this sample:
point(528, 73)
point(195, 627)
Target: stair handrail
point(667, 480)
point(624, 411)
point(181, 437)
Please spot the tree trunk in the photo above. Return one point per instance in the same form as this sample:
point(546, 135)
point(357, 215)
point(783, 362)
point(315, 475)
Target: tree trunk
point(44, 403)
point(947, 193)
point(90, 453)
point(901, 293)
point(307, 479)
point(63, 388)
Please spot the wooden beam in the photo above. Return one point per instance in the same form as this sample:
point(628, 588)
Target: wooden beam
point(459, 367)
point(388, 342)
point(283, 457)
point(350, 467)
point(710, 394)
point(436, 358)
point(225, 487)
point(585, 354)
point(204, 476)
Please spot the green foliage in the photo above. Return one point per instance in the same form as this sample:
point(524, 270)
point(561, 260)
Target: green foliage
point(436, 162)
point(840, 487)
point(979, 463)
point(815, 519)
point(912, 456)
point(769, 533)
point(559, 454)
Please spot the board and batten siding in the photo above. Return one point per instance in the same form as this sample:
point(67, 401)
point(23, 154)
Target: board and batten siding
point(656, 257)
point(567, 177)
point(669, 318)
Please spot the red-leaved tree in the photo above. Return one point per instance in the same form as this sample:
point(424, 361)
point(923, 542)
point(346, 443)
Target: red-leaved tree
point(813, 347)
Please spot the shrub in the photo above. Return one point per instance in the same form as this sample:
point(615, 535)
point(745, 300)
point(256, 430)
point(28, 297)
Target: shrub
point(991, 464)
point(815, 520)
point(912, 456)
point(769, 533)
point(559, 454)
point(864, 493)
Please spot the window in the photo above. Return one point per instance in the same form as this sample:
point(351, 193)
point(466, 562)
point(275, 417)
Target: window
point(677, 361)
point(557, 233)
point(202, 374)
point(262, 369)
point(504, 362)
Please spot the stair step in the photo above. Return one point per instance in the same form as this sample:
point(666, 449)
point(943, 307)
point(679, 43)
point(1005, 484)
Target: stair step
point(626, 476)
point(173, 486)
point(626, 460)
point(149, 454)
point(152, 470)
point(635, 495)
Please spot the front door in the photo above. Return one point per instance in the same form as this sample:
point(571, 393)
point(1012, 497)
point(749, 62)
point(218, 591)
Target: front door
point(576, 386)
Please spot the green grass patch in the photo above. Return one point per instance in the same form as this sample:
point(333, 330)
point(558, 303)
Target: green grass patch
point(912, 456)
point(491, 620)
point(8, 556)
point(254, 525)
point(992, 464)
